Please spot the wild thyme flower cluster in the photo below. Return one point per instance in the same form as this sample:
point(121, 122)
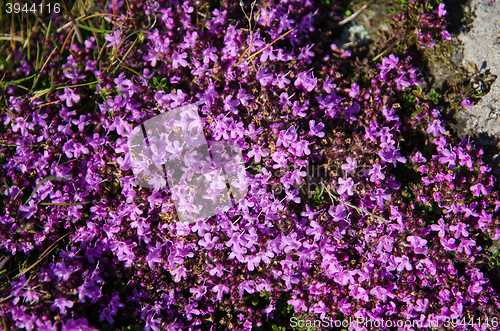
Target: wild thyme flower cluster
point(400, 234)
point(423, 26)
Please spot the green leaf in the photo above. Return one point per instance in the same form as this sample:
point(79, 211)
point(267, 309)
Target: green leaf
point(95, 29)
point(62, 203)
point(14, 82)
point(79, 85)
point(318, 196)
point(36, 188)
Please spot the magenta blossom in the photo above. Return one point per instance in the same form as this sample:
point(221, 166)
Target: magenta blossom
point(69, 96)
point(61, 304)
point(466, 103)
point(441, 11)
point(347, 185)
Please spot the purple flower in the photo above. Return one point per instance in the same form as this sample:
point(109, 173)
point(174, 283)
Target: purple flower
point(46, 325)
point(465, 159)
point(422, 305)
point(449, 157)
point(328, 85)
point(387, 64)
point(242, 96)
point(61, 303)
point(154, 255)
point(441, 227)
point(292, 196)
point(448, 244)
point(152, 57)
point(372, 132)
point(441, 11)
point(252, 133)
point(459, 229)
point(106, 314)
point(220, 289)
point(71, 149)
point(217, 270)
point(445, 35)
point(299, 110)
point(320, 308)
point(306, 54)
point(339, 213)
point(208, 242)
point(189, 40)
point(316, 230)
point(361, 294)
point(418, 244)
point(179, 273)
point(298, 304)
point(74, 76)
point(80, 122)
point(70, 96)
point(62, 272)
point(178, 59)
point(114, 39)
point(418, 158)
point(263, 77)
point(380, 196)
point(403, 262)
point(281, 80)
point(247, 286)
point(474, 288)
point(350, 166)
point(435, 128)
point(344, 307)
point(300, 147)
point(305, 81)
point(153, 323)
point(444, 295)
point(401, 82)
point(191, 310)
point(199, 291)
point(354, 90)
point(376, 173)
point(267, 53)
point(280, 157)
point(351, 110)
point(290, 243)
point(457, 310)
point(22, 125)
point(315, 130)
point(29, 210)
point(209, 55)
point(253, 261)
point(466, 246)
point(478, 189)
point(390, 62)
point(201, 226)
point(382, 293)
point(466, 103)
point(285, 99)
point(346, 185)
point(31, 295)
point(257, 152)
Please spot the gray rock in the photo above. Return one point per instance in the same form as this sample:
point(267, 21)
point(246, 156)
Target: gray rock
point(353, 35)
point(481, 46)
